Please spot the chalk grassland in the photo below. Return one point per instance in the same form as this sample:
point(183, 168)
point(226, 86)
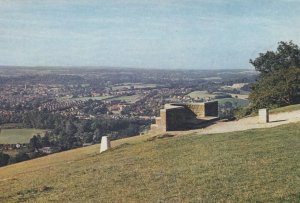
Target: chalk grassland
point(261, 165)
point(14, 136)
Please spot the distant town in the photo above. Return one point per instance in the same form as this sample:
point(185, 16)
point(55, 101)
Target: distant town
point(73, 107)
point(90, 93)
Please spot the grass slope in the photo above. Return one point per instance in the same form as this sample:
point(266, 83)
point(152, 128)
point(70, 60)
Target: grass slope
point(261, 165)
point(286, 109)
point(14, 136)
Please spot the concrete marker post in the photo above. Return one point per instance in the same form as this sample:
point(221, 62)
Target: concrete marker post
point(105, 144)
point(263, 116)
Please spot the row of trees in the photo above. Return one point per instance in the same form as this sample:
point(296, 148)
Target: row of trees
point(86, 129)
point(6, 159)
point(65, 133)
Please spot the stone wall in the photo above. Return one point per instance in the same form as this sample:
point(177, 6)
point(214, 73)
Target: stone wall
point(211, 109)
point(177, 118)
point(198, 109)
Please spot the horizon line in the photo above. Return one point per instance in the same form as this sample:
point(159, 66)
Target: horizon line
point(117, 67)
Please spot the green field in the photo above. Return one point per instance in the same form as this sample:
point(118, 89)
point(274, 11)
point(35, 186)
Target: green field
point(212, 78)
point(14, 136)
point(235, 86)
point(201, 94)
point(135, 85)
point(240, 96)
point(92, 98)
point(85, 85)
point(143, 86)
point(236, 102)
point(86, 98)
point(128, 99)
point(261, 165)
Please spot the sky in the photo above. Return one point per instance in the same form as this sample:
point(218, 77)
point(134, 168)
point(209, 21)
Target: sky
point(163, 34)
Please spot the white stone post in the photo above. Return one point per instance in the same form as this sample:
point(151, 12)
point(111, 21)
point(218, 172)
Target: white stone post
point(105, 144)
point(263, 116)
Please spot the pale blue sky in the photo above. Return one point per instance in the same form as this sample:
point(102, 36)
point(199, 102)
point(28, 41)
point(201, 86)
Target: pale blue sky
point(202, 34)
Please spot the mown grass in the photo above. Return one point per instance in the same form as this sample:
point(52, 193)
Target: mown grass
point(14, 136)
point(261, 165)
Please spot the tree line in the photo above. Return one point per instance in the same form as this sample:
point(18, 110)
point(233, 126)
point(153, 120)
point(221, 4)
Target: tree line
point(64, 133)
point(279, 80)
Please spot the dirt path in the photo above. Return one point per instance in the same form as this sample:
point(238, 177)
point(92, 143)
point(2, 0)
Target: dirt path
point(247, 123)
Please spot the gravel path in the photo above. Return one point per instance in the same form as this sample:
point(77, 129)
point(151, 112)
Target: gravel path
point(247, 123)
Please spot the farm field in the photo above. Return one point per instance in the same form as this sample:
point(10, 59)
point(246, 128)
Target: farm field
point(142, 86)
point(260, 165)
point(240, 96)
point(92, 98)
point(201, 94)
point(135, 85)
point(212, 78)
point(235, 102)
point(128, 99)
point(86, 98)
point(237, 86)
point(14, 136)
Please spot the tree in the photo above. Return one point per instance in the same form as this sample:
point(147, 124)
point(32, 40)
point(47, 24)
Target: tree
point(279, 82)
point(21, 156)
point(45, 142)
point(35, 142)
point(4, 159)
point(286, 56)
point(70, 128)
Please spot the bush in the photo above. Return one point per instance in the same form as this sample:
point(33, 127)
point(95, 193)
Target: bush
point(243, 112)
point(4, 159)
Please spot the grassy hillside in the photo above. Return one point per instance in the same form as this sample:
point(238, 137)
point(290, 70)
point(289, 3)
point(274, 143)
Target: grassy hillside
point(257, 165)
point(286, 109)
point(23, 135)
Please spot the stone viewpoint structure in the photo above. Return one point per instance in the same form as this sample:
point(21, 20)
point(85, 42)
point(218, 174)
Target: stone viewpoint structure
point(186, 116)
